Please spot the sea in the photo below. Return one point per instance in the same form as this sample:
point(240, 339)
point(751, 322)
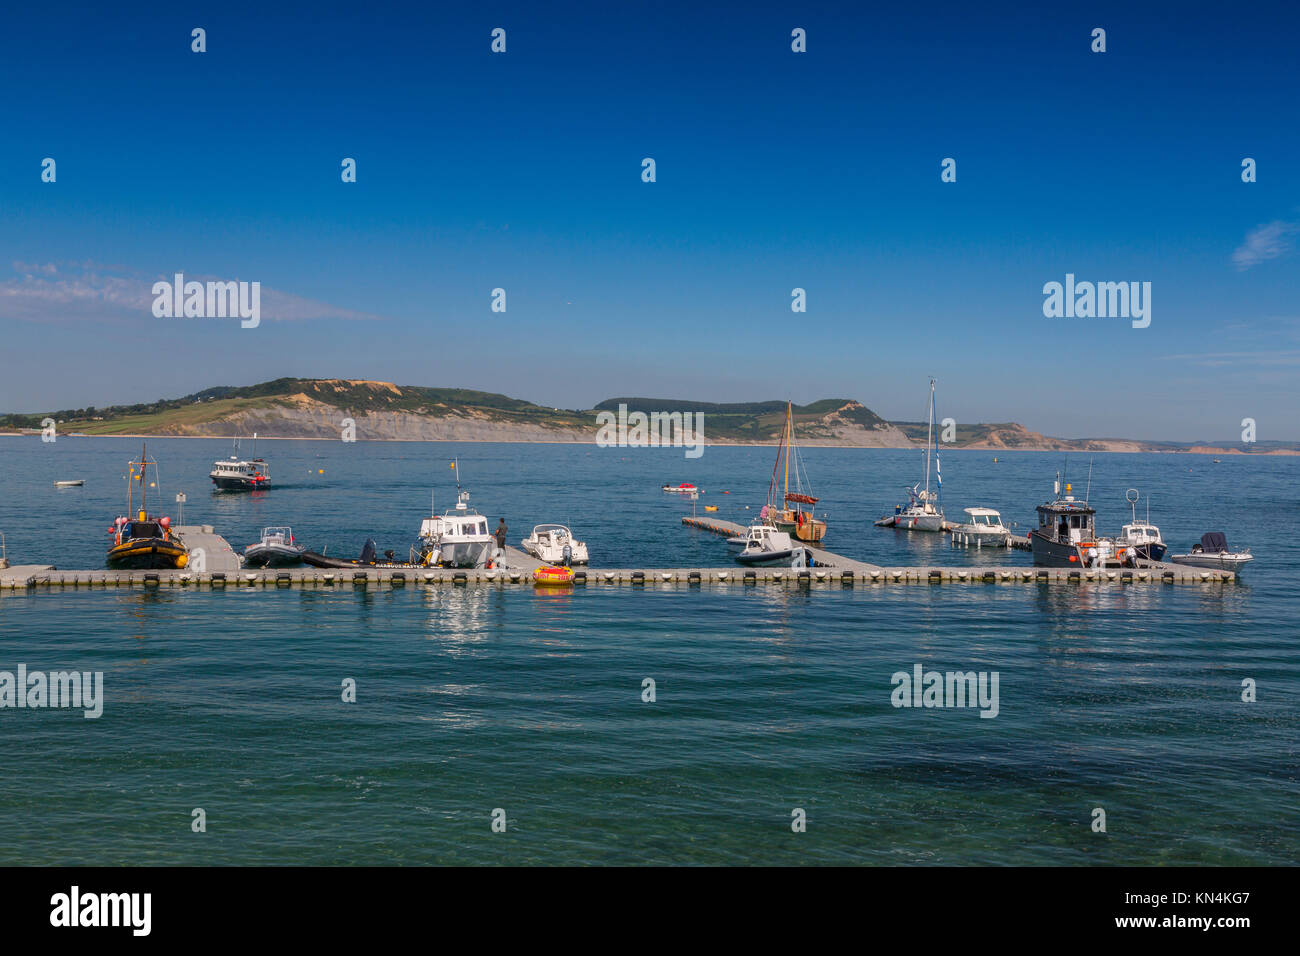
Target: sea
point(717, 725)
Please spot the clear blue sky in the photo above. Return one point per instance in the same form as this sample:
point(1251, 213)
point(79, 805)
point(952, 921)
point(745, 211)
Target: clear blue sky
point(775, 170)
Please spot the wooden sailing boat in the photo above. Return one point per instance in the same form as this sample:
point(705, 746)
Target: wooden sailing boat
point(792, 520)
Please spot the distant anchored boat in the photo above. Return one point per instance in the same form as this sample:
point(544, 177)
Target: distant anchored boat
point(237, 475)
point(69, 484)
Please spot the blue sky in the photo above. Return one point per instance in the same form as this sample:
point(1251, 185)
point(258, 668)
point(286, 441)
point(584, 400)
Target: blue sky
point(775, 170)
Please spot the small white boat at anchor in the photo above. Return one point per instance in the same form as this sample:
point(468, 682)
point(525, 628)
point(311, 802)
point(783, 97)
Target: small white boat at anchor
point(983, 529)
point(70, 484)
point(275, 549)
point(550, 542)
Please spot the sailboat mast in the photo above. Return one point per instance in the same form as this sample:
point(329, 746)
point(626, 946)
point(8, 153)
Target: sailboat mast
point(929, 436)
point(788, 435)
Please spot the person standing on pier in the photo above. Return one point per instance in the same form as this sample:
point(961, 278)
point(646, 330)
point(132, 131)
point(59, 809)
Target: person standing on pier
point(501, 535)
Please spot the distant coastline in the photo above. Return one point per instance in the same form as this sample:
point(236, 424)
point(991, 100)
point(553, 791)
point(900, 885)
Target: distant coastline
point(365, 410)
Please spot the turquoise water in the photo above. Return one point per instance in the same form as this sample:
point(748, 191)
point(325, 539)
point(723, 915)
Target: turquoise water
point(472, 699)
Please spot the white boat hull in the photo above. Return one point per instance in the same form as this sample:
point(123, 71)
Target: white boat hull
point(1226, 561)
point(918, 522)
point(577, 549)
point(465, 554)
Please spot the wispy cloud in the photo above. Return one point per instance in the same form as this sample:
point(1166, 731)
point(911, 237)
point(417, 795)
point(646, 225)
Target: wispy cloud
point(1268, 241)
point(51, 292)
point(1285, 357)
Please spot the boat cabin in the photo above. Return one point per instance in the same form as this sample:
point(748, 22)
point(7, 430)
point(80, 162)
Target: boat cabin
point(1141, 533)
point(255, 469)
point(985, 518)
point(1067, 521)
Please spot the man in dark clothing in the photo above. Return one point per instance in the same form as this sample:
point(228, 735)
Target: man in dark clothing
point(501, 534)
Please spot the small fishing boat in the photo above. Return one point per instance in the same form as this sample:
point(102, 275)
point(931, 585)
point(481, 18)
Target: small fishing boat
point(69, 484)
point(144, 542)
point(548, 576)
point(1212, 552)
point(555, 544)
point(983, 529)
point(1141, 536)
point(779, 513)
point(275, 549)
point(236, 475)
point(767, 547)
point(1066, 535)
point(685, 488)
point(458, 537)
point(924, 508)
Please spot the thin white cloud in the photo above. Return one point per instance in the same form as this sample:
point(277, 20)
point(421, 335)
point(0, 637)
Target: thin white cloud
point(1285, 357)
point(1268, 241)
point(48, 292)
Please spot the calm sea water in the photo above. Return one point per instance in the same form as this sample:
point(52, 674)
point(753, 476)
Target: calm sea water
point(473, 699)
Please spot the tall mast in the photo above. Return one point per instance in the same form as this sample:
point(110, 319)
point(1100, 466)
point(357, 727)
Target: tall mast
point(143, 466)
point(929, 435)
point(789, 434)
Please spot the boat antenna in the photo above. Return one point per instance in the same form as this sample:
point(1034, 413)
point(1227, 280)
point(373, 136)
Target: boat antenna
point(1132, 503)
point(1087, 491)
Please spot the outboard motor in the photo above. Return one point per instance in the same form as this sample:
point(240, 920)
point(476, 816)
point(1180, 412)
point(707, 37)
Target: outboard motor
point(368, 551)
point(568, 555)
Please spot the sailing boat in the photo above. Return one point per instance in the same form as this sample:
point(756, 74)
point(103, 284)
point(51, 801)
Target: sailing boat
point(779, 514)
point(924, 509)
point(145, 541)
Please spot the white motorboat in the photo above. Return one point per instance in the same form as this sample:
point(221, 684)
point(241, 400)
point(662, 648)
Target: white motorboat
point(457, 538)
point(70, 484)
point(767, 547)
point(1212, 552)
point(1142, 537)
point(238, 475)
point(924, 508)
point(276, 547)
point(549, 543)
point(983, 529)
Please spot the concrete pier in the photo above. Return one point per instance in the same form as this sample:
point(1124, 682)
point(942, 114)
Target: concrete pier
point(516, 568)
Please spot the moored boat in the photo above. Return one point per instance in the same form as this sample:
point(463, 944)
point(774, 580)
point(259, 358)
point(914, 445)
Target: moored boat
point(924, 508)
point(143, 542)
point(1212, 552)
point(555, 544)
point(984, 528)
point(803, 525)
point(1066, 535)
point(1141, 536)
point(458, 537)
point(768, 547)
point(276, 548)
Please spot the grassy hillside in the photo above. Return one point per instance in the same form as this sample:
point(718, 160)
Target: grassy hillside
point(742, 421)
